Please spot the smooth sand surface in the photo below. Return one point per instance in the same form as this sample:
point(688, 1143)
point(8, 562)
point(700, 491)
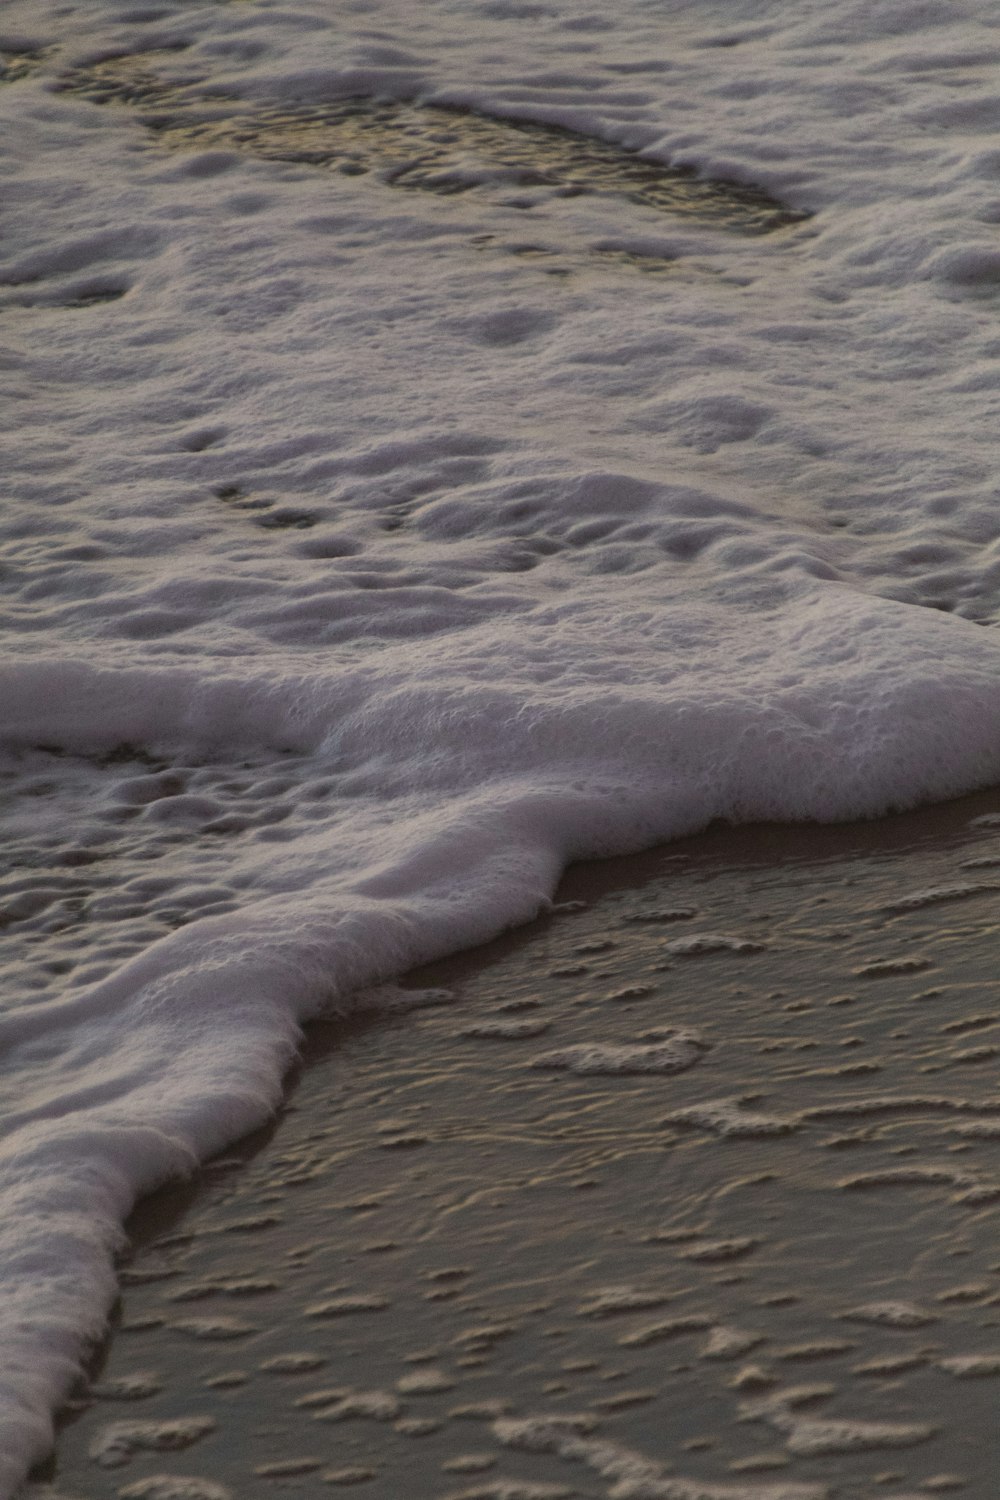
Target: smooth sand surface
point(706, 1161)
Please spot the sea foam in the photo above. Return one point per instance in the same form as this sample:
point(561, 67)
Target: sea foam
point(372, 554)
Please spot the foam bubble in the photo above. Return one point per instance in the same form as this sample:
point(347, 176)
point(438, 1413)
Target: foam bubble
point(120, 1441)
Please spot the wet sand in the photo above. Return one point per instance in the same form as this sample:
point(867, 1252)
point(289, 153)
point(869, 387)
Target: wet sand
point(436, 148)
point(690, 1190)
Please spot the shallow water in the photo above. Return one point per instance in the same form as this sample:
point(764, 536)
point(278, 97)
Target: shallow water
point(775, 1265)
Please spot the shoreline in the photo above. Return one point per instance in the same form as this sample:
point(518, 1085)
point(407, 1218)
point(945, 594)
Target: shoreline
point(794, 1115)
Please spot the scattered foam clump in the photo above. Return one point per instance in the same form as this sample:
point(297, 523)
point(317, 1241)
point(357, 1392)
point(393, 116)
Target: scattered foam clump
point(973, 1190)
point(427, 1382)
point(812, 1437)
point(729, 1117)
point(711, 1252)
point(890, 1315)
point(214, 1329)
point(814, 1349)
point(891, 1365)
point(292, 1364)
point(725, 1342)
point(174, 1487)
point(886, 968)
point(342, 1307)
point(710, 942)
point(890, 1104)
point(612, 1300)
point(469, 1463)
point(507, 1031)
point(667, 1328)
point(971, 1366)
point(935, 895)
point(376, 1406)
point(633, 1475)
point(139, 1385)
point(662, 914)
point(288, 1468)
point(513, 1489)
point(116, 1444)
point(675, 1055)
point(983, 1130)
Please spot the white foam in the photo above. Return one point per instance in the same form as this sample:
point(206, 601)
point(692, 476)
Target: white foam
point(409, 572)
point(674, 1055)
point(810, 1437)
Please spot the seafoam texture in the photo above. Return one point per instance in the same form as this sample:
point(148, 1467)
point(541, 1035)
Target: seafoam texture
point(369, 554)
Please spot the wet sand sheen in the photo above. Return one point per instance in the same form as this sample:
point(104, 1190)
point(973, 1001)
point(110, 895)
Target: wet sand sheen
point(689, 1190)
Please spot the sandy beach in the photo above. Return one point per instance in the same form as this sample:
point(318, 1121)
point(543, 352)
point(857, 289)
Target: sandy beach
point(688, 1190)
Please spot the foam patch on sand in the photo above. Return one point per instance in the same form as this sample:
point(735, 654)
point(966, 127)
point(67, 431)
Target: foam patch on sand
point(674, 1055)
point(634, 1476)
